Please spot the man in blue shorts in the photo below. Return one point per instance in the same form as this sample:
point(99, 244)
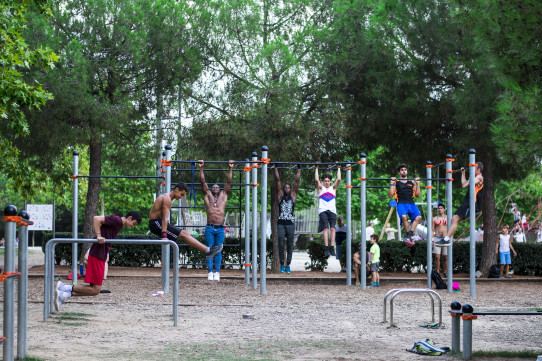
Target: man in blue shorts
point(404, 191)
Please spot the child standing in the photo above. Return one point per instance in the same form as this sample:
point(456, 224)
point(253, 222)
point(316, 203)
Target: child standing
point(503, 247)
point(374, 261)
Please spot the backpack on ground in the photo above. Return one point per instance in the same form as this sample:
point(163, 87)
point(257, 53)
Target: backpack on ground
point(494, 271)
point(439, 282)
point(428, 347)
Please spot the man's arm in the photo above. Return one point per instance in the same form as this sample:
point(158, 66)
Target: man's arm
point(464, 180)
point(338, 181)
point(391, 191)
point(165, 215)
point(417, 191)
point(204, 187)
point(296, 183)
point(227, 186)
point(317, 179)
point(97, 222)
point(278, 186)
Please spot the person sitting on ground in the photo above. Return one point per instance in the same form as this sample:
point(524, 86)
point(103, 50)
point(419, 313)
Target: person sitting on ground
point(404, 191)
point(503, 248)
point(463, 211)
point(327, 209)
point(357, 265)
point(105, 227)
point(340, 237)
point(158, 221)
point(374, 261)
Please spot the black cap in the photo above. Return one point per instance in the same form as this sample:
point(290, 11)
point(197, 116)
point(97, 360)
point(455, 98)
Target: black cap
point(467, 308)
point(10, 210)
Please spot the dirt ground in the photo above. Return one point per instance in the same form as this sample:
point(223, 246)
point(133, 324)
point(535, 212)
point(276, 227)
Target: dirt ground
point(292, 321)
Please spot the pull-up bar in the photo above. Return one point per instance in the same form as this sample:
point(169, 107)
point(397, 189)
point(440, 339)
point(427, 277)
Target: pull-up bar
point(117, 176)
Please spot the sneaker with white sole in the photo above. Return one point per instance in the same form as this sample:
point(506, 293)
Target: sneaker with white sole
point(443, 243)
point(209, 276)
point(213, 251)
point(216, 276)
point(60, 297)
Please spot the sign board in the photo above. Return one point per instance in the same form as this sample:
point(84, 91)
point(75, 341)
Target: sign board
point(42, 215)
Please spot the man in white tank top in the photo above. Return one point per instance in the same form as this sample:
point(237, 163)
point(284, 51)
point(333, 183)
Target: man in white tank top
point(327, 209)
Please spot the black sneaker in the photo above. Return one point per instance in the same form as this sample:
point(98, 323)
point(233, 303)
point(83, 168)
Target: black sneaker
point(326, 252)
point(213, 251)
point(443, 243)
point(332, 252)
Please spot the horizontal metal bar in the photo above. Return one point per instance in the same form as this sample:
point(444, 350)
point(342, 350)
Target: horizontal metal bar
point(408, 179)
point(214, 161)
point(206, 169)
point(119, 176)
point(199, 207)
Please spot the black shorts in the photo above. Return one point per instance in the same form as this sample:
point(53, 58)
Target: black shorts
point(463, 210)
point(155, 226)
point(327, 220)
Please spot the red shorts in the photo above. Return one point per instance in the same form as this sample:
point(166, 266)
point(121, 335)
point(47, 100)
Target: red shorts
point(95, 271)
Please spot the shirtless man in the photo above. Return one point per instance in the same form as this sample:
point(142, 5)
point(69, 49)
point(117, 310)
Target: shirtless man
point(464, 209)
point(215, 205)
point(440, 228)
point(158, 221)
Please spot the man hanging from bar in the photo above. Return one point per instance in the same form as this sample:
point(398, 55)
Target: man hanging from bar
point(404, 191)
point(327, 210)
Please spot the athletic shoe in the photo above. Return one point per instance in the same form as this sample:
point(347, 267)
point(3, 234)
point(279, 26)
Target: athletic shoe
point(358, 283)
point(443, 243)
point(282, 269)
point(213, 251)
point(332, 252)
point(288, 270)
point(60, 286)
point(216, 276)
point(209, 276)
point(508, 276)
point(60, 297)
point(445, 275)
point(326, 252)
point(500, 276)
point(408, 241)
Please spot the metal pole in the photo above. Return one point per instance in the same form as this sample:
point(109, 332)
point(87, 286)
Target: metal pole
point(254, 221)
point(263, 224)
point(247, 222)
point(165, 248)
point(10, 212)
point(467, 331)
point(22, 293)
point(75, 215)
point(363, 210)
point(429, 188)
point(472, 218)
point(456, 326)
point(349, 224)
point(449, 173)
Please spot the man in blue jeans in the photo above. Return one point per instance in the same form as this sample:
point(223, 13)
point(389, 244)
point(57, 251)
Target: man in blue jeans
point(215, 205)
point(286, 222)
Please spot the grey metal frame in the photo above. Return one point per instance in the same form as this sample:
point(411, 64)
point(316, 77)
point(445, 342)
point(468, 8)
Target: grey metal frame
point(48, 304)
point(9, 290)
point(263, 226)
point(396, 291)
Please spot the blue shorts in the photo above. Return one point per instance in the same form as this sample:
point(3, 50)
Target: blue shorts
point(505, 257)
point(409, 209)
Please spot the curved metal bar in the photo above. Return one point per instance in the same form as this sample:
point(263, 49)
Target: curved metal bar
point(418, 290)
point(405, 289)
point(48, 304)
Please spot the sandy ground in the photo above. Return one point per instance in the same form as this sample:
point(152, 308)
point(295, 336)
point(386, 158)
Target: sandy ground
point(292, 321)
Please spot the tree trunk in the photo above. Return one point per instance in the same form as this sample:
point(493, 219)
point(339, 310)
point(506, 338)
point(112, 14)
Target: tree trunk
point(489, 214)
point(93, 194)
point(275, 264)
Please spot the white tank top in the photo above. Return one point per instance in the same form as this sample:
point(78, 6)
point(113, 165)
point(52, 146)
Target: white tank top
point(326, 200)
point(504, 243)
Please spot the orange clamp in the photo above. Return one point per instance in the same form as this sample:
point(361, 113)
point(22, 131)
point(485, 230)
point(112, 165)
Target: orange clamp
point(163, 170)
point(247, 264)
point(266, 160)
point(450, 160)
point(165, 162)
point(362, 162)
point(362, 178)
point(12, 219)
point(473, 164)
point(469, 317)
point(255, 184)
point(248, 169)
point(349, 168)
point(428, 187)
point(449, 179)
point(455, 314)
point(255, 166)
point(429, 166)
point(348, 186)
point(163, 183)
point(450, 171)
point(24, 222)
point(74, 176)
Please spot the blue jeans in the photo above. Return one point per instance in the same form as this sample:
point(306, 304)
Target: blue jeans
point(214, 237)
point(286, 231)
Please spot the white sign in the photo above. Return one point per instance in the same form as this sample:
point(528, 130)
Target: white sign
point(41, 215)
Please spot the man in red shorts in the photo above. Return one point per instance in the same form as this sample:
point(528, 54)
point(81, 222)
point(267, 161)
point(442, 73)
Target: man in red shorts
point(106, 227)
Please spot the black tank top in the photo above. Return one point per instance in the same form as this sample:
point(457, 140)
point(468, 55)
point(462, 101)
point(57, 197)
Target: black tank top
point(404, 192)
point(286, 210)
